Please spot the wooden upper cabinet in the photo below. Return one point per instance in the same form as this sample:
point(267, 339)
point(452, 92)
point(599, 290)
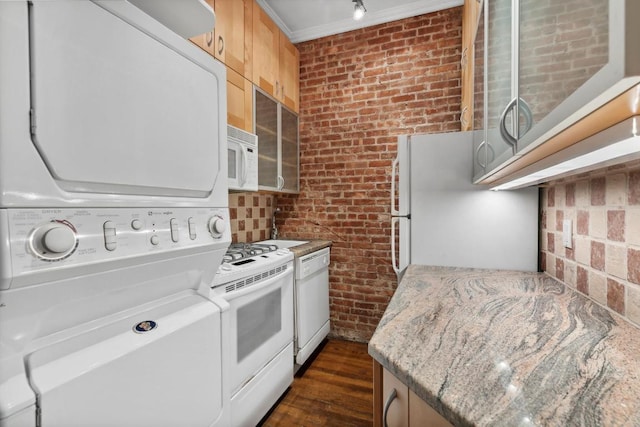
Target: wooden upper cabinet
point(289, 74)
point(469, 25)
point(239, 101)
point(276, 61)
point(266, 50)
point(229, 34)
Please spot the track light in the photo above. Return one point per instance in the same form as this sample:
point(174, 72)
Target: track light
point(358, 10)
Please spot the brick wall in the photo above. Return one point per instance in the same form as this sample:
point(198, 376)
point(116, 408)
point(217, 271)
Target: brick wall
point(604, 263)
point(358, 92)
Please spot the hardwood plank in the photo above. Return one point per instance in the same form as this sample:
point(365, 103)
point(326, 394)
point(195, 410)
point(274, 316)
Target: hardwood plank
point(335, 389)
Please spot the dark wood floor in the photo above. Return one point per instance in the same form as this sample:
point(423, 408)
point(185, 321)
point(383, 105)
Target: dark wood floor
point(335, 389)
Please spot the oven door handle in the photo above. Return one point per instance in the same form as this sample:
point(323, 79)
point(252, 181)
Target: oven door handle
point(257, 288)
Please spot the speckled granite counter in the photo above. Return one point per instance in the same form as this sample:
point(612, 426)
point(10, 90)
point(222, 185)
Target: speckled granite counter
point(503, 348)
point(311, 246)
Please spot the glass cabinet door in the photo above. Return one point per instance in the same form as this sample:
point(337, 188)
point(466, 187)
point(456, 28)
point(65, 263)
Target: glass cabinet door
point(482, 154)
point(266, 116)
point(499, 79)
point(289, 153)
point(561, 46)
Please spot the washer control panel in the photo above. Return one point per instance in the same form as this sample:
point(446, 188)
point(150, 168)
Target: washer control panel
point(43, 239)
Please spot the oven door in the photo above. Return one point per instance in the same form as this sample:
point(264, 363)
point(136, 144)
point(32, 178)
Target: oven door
point(261, 324)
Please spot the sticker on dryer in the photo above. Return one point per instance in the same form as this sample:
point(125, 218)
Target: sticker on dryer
point(146, 326)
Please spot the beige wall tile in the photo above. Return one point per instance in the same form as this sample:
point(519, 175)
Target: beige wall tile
point(582, 250)
point(598, 223)
point(616, 189)
point(598, 287)
point(570, 273)
point(616, 261)
point(582, 193)
point(633, 304)
point(633, 225)
point(551, 264)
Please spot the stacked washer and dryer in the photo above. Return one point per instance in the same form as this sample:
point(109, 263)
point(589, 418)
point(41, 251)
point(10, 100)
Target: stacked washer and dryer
point(113, 215)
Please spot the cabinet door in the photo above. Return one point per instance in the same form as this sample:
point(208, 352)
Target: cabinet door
point(482, 151)
point(500, 79)
point(562, 45)
point(289, 74)
point(289, 176)
point(266, 113)
point(239, 101)
point(469, 20)
point(229, 34)
point(421, 414)
point(395, 409)
point(266, 47)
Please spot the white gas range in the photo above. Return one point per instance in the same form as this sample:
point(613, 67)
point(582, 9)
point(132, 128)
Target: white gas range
point(256, 281)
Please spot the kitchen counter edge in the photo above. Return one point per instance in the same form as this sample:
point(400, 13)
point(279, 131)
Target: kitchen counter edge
point(494, 347)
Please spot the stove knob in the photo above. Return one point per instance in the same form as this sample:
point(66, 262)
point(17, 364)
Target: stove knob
point(225, 266)
point(217, 226)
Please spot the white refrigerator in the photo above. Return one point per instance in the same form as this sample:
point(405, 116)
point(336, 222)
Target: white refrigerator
point(439, 217)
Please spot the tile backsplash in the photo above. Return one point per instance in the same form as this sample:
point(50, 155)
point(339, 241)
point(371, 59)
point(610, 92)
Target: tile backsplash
point(251, 215)
point(604, 262)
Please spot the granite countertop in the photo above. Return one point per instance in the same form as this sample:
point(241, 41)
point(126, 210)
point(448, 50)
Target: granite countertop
point(506, 348)
point(311, 246)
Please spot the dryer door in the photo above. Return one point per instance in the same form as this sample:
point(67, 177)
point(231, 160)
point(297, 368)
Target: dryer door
point(122, 105)
point(165, 373)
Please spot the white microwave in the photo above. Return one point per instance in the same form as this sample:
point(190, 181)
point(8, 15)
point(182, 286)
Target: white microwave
point(243, 159)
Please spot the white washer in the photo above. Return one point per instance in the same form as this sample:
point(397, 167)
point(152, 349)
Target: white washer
point(113, 218)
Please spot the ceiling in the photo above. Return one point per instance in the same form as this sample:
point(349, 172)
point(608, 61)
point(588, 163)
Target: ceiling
point(303, 20)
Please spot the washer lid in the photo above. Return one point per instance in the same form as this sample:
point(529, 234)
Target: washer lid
point(153, 369)
point(122, 105)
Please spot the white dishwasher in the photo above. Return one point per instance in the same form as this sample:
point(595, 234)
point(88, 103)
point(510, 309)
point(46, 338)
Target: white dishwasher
point(311, 292)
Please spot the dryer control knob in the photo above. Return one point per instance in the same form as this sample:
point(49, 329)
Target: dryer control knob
point(53, 241)
point(59, 239)
point(217, 226)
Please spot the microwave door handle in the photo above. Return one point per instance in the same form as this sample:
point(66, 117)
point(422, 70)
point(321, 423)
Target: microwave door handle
point(243, 151)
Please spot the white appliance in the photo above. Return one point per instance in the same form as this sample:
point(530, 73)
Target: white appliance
point(243, 159)
point(256, 281)
point(439, 217)
point(311, 303)
point(113, 218)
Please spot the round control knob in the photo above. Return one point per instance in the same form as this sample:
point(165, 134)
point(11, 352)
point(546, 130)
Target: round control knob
point(53, 241)
point(155, 240)
point(217, 226)
point(136, 224)
point(59, 239)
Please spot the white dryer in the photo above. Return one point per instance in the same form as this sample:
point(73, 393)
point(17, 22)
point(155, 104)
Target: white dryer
point(113, 215)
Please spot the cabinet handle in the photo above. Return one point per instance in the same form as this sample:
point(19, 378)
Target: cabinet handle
point(277, 88)
point(209, 39)
point(387, 404)
point(280, 183)
point(506, 136)
point(528, 117)
point(220, 45)
point(463, 121)
point(463, 59)
point(490, 148)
